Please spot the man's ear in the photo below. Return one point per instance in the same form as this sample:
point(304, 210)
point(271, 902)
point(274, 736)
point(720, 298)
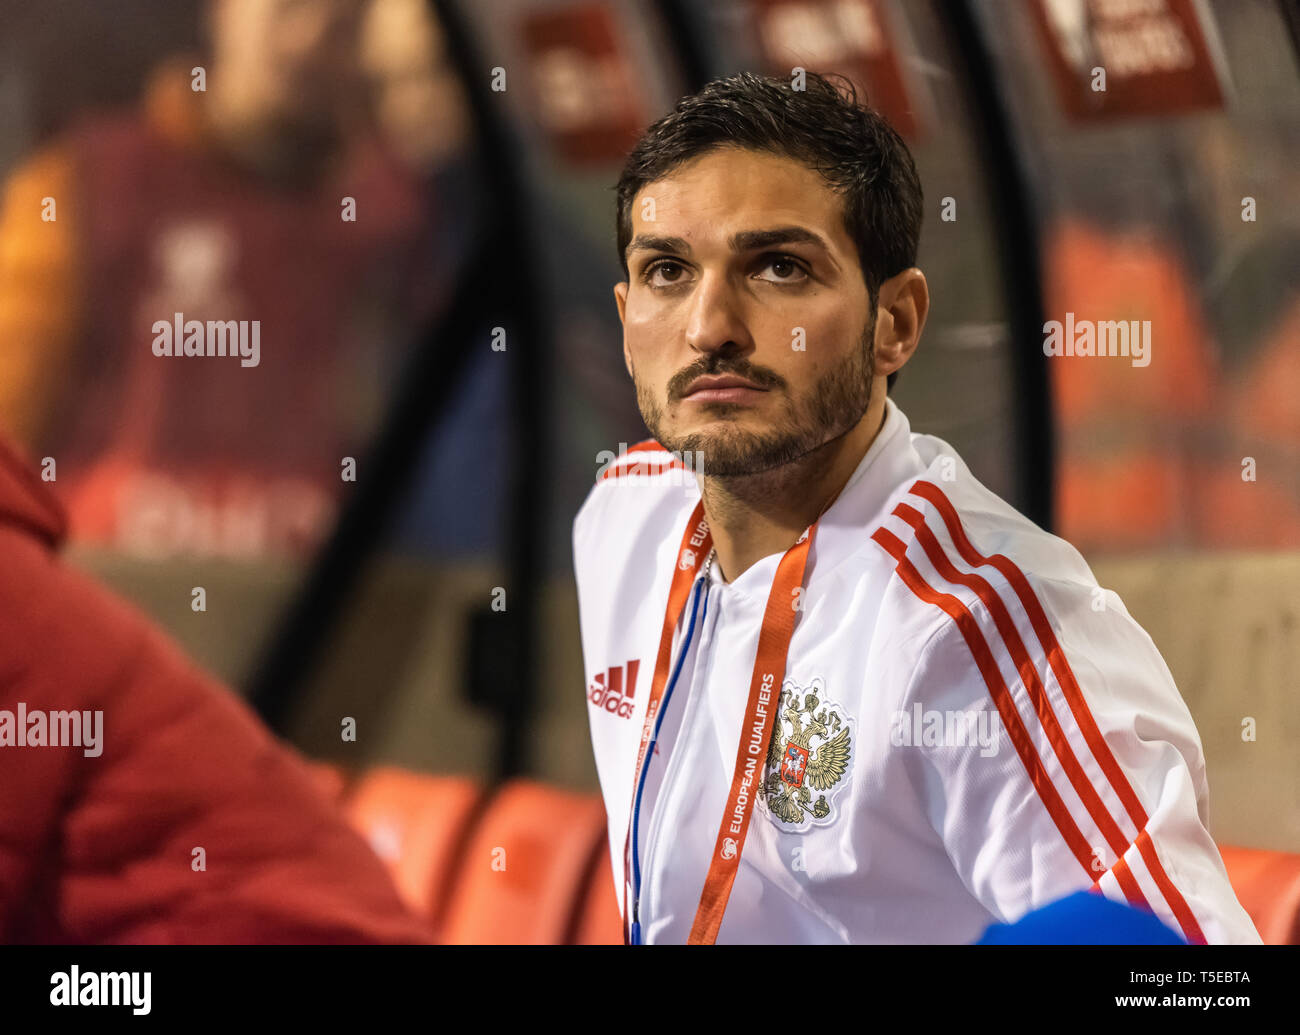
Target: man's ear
point(620, 299)
point(903, 303)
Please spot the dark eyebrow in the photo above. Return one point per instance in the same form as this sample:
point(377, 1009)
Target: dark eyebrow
point(654, 243)
point(749, 240)
point(744, 241)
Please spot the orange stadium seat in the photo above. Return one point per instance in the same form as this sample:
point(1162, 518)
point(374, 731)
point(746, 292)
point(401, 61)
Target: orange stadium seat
point(418, 824)
point(1268, 887)
point(525, 875)
point(600, 922)
point(530, 865)
point(1262, 422)
point(1129, 436)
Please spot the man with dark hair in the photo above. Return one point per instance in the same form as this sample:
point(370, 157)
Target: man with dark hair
point(948, 723)
point(858, 154)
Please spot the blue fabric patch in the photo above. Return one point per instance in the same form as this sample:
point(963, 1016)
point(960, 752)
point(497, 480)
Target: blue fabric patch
point(1084, 918)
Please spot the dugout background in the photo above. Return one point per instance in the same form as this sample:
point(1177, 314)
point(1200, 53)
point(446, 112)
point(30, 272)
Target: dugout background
point(472, 461)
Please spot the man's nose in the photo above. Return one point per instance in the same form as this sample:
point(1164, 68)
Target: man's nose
point(717, 320)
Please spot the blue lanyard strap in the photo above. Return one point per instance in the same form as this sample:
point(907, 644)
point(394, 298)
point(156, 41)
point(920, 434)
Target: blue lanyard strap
point(659, 719)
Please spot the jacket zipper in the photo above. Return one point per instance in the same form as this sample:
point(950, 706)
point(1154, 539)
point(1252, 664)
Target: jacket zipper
point(657, 818)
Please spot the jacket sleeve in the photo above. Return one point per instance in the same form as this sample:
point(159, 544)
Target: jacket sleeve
point(1072, 762)
point(188, 822)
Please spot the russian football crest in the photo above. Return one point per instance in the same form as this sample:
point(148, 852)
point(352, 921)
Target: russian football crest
point(807, 759)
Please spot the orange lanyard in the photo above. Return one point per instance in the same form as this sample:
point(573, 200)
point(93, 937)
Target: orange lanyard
point(764, 691)
point(697, 543)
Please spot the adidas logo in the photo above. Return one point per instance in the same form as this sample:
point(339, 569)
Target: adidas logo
point(607, 690)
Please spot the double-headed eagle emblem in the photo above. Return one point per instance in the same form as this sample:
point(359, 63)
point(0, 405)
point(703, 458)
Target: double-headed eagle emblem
point(809, 751)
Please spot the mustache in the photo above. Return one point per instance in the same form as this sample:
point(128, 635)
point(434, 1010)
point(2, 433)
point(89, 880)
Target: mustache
point(764, 377)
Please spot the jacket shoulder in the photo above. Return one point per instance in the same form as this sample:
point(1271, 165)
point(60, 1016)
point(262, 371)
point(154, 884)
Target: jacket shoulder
point(641, 500)
point(633, 485)
point(963, 555)
point(646, 459)
point(979, 525)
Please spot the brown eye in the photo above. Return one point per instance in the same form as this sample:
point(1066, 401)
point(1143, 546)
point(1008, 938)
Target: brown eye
point(672, 272)
point(787, 268)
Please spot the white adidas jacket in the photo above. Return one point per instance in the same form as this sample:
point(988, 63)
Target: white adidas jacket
point(1013, 734)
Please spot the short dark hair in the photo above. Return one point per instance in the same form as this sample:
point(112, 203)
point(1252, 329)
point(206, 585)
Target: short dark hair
point(825, 126)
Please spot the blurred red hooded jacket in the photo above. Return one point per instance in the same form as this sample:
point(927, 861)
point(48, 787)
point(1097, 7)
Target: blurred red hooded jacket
point(100, 849)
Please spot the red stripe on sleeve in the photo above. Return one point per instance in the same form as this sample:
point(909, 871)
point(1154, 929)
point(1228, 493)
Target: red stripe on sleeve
point(997, 688)
point(1074, 696)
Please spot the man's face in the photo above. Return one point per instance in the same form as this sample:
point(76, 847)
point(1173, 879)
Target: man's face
point(294, 61)
point(747, 326)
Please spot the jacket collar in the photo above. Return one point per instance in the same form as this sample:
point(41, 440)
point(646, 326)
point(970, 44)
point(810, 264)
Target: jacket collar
point(848, 522)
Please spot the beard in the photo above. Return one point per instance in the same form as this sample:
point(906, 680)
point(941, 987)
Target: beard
point(832, 406)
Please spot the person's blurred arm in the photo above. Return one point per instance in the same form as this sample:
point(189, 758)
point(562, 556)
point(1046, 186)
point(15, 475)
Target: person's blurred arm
point(188, 822)
point(39, 290)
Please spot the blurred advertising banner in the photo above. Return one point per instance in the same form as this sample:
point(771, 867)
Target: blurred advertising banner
point(584, 90)
point(846, 36)
point(1124, 58)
